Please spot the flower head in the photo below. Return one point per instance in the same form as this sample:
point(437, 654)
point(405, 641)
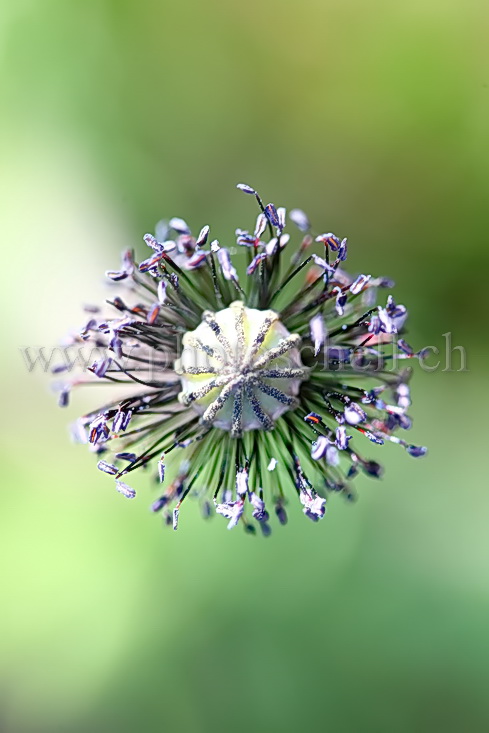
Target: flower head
point(245, 386)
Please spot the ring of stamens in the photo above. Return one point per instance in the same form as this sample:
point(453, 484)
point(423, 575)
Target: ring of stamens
point(240, 369)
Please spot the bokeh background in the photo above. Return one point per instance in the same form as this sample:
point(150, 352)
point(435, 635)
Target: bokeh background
point(372, 116)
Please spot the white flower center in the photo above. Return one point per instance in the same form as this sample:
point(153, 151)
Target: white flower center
point(240, 369)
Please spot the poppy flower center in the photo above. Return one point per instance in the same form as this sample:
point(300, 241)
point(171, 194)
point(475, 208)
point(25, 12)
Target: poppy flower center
point(240, 369)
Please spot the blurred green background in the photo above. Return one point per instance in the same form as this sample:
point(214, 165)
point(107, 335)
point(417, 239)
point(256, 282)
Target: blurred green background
point(373, 117)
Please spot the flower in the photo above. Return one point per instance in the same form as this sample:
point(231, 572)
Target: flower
point(265, 378)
